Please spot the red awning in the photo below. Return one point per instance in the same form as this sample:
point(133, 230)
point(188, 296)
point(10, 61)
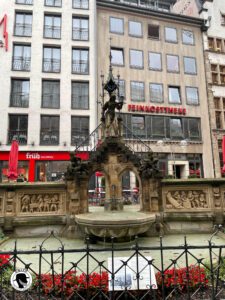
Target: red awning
point(99, 174)
point(13, 161)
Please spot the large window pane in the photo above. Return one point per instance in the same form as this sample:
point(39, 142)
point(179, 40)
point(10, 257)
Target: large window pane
point(56, 3)
point(194, 128)
point(116, 25)
point(21, 58)
point(158, 127)
point(137, 91)
point(23, 24)
point(138, 125)
point(155, 61)
point(50, 94)
point(153, 31)
point(190, 65)
point(80, 28)
point(52, 60)
point(176, 130)
point(80, 63)
point(135, 28)
point(18, 128)
point(117, 56)
point(136, 59)
point(192, 95)
point(80, 130)
point(81, 4)
point(49, 130)
point(170, 34)
point(20, 91)
point(52, 27)
point(122, 89)
point(188, 37)
point(80, 95)
point(156, 92)
point(174, 95)
point(172, 63)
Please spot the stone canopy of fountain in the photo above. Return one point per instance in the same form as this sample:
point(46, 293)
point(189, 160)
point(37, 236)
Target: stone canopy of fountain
point(112, 156)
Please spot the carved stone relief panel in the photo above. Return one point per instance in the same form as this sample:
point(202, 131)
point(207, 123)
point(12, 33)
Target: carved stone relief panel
point(41, 203)
point(10, 203)
point(216, 197)
point(187, 199)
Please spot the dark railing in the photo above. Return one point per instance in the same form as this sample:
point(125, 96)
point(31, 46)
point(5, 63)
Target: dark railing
point(23, 29)
point(87, 143)
point(57, 3)
point(19, 100)
point(117, 272)
point(21, 64)
point(80, 67)
point(20, 135)
point(51, 65)
point(53, 32)
point(49, 137)
point(80, 34)
point(24, 2)
point(83, 4)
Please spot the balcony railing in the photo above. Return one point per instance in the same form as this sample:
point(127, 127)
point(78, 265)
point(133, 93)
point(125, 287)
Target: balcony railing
point(29, 2)
point(145, 4)
point(49, 138)
point(23, 29)
point(78, 138)
point(20, 135)
point(83, 4)
point(53, 32)
point(80, 34)
point(80, 67)
point(19, 100)
point(52, 65)
point(21, 63)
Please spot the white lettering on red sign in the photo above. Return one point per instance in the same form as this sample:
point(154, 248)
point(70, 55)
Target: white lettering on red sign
point(32, 156)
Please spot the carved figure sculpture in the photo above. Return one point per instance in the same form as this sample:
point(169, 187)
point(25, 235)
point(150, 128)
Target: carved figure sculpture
point(186, 199)
point(25, 201)
point(149, 167)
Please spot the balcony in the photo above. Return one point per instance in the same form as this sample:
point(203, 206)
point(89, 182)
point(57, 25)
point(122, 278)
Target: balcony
point(23, 29)
point(20, 135)
point(19, 100)
point(21, 64)
point(52, 65)
point(49, 137)
point(53, 32)
point(80, 67)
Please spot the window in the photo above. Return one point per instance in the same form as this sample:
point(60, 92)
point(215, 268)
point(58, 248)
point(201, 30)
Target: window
point(217, 103)
point(18, 128)
point(21, 58)
point(170, 34)
point(56, 3)
point(80, 29)
point(156, 92)
point(52, 60)
point(190, 65)
point(218, 120)
point(50, 93)
point(155, 61)
point(194, 128)
point(27, 2)
point(116, 25)
point(176, 130)
point(136, 59)
point(20, 91)
point(80, 95)
point(222, 19)
point(192, 95)
point(122, 89)
point(138, 125)
point(23, 24)
point(135, 28)
point(80, 130)
point(153, 31)
point(117, 56)
point(80, 63)
point(158, 127)
point(81, 4)
point(49, 130)
point(172, 63)
point(137, 91)
point(174, 95)
point(52, 27)
point(188, 37)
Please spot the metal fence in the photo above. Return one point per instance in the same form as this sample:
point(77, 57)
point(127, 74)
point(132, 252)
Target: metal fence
point(116, 272)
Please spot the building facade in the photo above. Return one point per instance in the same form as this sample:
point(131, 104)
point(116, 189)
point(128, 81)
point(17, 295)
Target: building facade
point(159, 58)
point(48, 83)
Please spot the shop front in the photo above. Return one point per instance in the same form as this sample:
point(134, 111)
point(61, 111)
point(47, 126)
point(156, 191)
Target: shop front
point(39, 166)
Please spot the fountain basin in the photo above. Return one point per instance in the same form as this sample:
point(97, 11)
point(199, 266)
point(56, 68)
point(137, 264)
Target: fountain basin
point(116, 224)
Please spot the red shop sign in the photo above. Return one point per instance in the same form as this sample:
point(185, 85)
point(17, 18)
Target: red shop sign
point(157, 109)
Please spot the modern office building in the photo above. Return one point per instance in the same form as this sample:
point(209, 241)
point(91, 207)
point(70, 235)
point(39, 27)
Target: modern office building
point(159, 57)
point(213, 13)
point(47, 82)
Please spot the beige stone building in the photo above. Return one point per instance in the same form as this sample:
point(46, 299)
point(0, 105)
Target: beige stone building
point(159, 57)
